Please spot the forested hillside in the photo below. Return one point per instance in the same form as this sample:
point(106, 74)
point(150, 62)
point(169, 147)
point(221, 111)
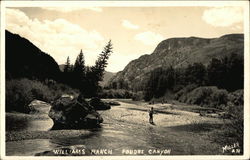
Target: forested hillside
point(177, 53)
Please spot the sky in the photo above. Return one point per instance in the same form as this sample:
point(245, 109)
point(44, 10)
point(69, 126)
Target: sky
point(134, 31)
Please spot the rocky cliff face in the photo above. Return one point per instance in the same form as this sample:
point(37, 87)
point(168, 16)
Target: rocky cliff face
point(177, 52)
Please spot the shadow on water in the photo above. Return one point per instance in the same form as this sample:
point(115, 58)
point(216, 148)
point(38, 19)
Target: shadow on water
point(21, 124)
point(84, 126)
point(196, 127)
point(13, 124)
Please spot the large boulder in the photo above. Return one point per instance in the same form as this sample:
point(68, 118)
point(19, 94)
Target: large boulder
point(98, 104)
point(68, 113)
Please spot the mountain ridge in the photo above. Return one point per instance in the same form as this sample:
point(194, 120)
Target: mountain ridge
point(178, 53)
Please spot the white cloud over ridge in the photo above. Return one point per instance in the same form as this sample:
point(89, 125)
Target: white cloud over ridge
point(149, 38)
point(59, 38)
point(129, 25)
point(71, 9)
point(223, 16)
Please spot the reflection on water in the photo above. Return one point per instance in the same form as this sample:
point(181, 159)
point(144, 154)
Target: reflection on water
point(35, 125)
point(28, 147)
point(18, 124)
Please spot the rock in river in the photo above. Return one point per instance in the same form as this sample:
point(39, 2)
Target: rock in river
point(114, 103)
point(98, 104)
point(68, 113)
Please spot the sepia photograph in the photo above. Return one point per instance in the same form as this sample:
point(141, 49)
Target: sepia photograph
point(125, 79)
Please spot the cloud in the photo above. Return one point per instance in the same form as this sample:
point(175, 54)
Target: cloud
point(119, 61)
point(236, 27)
point(71, 9)
point(129, 25)
point(149, 38)
point(59, 37)
point(223, 16)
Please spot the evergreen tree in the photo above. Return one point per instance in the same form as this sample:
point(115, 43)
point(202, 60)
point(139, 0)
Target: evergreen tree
point(79, 66)
point(152, 86)
point(196, 74)
point(102, 62)
point(234, 72)
point(78, 77)
point(95, 73)
point(67, 67)
point(216, 72)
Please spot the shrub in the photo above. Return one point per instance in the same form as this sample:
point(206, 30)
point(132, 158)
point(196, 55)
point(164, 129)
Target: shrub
point(219, 99)
point(138, 96)
point(20, 92)
point(233, 128)
point(182, 94)
point(57, 89)
point(40, 91)
point(200, 96)
point(236, 97)
point(209, 96)
point(115, 93)
point(17, 96)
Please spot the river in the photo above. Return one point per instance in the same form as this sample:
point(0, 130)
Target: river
point(125, 129)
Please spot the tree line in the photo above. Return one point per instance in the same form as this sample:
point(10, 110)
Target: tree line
point(87, 78)
point(226, 73)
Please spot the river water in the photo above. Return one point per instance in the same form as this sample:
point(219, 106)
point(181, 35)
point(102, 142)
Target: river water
point(125, 128)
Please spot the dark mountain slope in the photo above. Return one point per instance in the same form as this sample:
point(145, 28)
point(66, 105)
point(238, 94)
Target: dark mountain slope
point(23, 59)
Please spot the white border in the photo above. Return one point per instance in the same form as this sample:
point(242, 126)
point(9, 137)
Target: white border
point(245, 4)
point(2, 82)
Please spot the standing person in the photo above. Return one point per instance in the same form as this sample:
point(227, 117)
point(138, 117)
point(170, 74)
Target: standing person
point(151, 112)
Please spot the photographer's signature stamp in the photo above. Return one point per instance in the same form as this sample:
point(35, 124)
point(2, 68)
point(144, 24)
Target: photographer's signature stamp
point(231, 149)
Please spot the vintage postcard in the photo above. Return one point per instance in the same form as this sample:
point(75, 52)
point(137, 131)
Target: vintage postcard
point(125, 80)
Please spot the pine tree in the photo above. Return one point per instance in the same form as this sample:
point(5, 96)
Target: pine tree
point(79, 75)
point(79, 66)
point(102, 62)
point(67, 67)
point(95, 74)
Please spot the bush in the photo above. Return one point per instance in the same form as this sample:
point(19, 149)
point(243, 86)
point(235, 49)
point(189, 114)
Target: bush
point(233, 128)
point(138, 96)
point(236, 97)
point(20, 92)
point(219, 99)
point(115, 93)
point(200, 96)
point(182, 94)
point(209, 96)
point(57, 89)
